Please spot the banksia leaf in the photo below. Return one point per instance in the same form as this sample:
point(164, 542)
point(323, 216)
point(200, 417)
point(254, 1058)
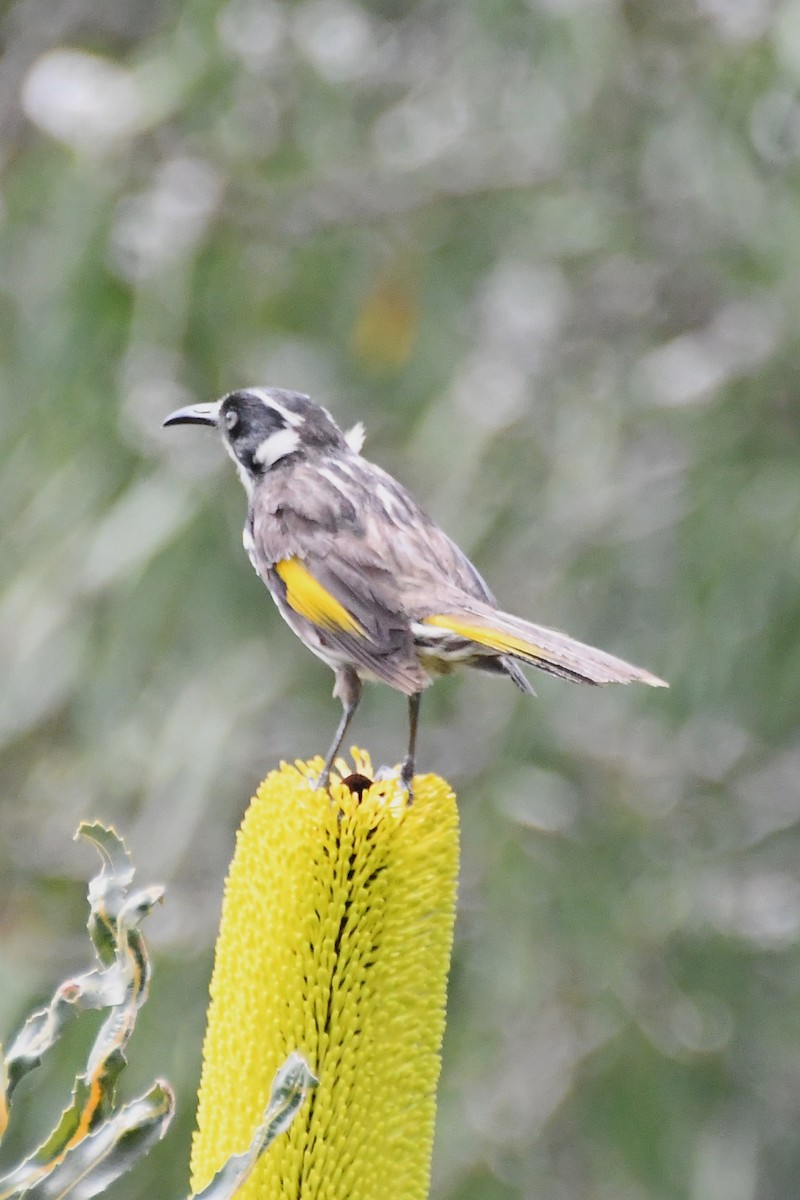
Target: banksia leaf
point(335, 941)
point(92, 1144)
point(92, 1163)
point(289, 1090)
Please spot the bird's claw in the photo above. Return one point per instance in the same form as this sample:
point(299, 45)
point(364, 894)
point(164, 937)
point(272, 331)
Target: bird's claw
point(406, 774)
point(322, 782)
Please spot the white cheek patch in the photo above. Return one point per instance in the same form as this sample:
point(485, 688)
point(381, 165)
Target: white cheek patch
point(291, 419)
point(277, 446)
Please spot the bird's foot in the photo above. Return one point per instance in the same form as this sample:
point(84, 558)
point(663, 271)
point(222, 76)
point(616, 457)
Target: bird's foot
point(322, 782)
point(406, 774)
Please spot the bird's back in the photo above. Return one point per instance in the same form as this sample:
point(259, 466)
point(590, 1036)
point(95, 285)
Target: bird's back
point(368, 530)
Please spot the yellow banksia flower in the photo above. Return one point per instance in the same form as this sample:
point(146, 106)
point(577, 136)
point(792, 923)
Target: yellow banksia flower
point(335, 942)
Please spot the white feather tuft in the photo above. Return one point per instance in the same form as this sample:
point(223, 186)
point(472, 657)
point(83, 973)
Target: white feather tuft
point(355, 437)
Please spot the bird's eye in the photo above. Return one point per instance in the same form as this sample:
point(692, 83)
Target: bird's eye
point(231, 419)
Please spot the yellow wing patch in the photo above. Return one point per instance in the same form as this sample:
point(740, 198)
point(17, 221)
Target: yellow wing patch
point(311, 600)
point(495, 639)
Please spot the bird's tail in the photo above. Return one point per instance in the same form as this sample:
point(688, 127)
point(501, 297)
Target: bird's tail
point(546, 649)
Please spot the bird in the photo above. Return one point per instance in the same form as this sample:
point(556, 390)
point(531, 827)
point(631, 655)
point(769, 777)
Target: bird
point(360, 572)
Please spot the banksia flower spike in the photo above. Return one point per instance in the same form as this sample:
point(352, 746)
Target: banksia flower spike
point(335, 943)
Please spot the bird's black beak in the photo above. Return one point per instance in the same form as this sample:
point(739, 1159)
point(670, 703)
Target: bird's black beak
point(195, 414)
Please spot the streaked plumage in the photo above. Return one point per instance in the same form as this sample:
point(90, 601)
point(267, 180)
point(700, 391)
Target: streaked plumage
point(362, 574)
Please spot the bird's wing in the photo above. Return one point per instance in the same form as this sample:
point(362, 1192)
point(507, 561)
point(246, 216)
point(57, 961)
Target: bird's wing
point(439, 586)
point(310, 545)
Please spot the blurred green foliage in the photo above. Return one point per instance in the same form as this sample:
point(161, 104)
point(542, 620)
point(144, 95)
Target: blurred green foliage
point(550, 252)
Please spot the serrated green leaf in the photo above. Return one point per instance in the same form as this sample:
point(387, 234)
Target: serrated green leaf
point(108, 889)
point(44, 1027)
point(289, 1090)
point(119, 946)
point(120, 986)
point(117, 861)
point(89, 1166)
point(137, 906)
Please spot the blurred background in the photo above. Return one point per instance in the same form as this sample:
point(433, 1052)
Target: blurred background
point(549, 251)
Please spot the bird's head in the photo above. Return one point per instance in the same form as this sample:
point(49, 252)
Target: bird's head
point(262, 427)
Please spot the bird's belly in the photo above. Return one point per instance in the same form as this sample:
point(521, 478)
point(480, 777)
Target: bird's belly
point(314, 640)
point(311, 637)
point(435, 666)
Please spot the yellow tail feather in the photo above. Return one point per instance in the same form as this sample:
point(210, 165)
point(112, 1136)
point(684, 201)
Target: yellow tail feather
point(543, 648)
point(495, 639)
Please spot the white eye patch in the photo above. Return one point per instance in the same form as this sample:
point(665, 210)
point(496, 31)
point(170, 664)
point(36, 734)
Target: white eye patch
point(292, 419)
point(277, 446)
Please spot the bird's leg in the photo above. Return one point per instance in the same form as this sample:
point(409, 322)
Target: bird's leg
point(348, 690)
point(407, 769)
